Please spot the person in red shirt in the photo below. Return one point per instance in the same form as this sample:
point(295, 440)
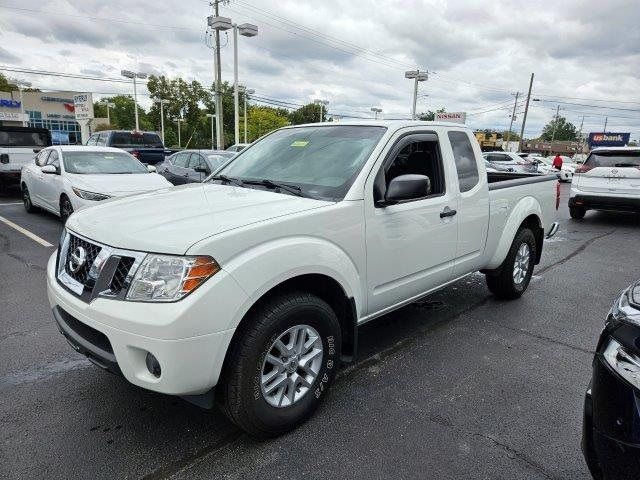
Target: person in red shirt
point(557, 162)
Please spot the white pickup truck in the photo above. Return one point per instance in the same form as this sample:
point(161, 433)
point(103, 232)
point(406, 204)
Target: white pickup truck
point(257, 280)
point(18, 147)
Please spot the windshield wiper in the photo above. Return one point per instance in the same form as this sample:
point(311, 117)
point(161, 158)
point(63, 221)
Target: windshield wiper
point(292, 189)
point(224, 178)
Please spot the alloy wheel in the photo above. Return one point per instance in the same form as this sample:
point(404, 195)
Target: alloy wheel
point(521, 264)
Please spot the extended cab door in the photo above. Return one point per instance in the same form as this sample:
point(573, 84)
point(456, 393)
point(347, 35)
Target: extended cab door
point(410, 245)
point(473, 201)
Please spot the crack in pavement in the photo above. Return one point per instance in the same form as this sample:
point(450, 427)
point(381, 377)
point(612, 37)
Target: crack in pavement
point(576, 252)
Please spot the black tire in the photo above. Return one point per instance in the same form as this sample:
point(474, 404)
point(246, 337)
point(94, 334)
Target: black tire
point(502, 283)
point(26, 200)
point(66, 209)
point(239, 391)
point(577, 213)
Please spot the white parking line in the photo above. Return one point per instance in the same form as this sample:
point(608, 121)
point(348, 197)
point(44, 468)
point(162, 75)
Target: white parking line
point(11, 203)
point(26, 232)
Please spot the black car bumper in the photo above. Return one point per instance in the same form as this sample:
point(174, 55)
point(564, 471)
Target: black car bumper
point(611, 428)
point(594, 202)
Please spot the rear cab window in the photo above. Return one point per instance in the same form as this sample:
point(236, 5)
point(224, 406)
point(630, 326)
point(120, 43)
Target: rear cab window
point(136, 139)
point(465, 160)
point(23, 138)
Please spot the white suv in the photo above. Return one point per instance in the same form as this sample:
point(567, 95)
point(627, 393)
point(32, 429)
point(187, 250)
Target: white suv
point(609, 179)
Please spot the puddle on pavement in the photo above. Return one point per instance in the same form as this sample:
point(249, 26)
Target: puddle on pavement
point(38, 373)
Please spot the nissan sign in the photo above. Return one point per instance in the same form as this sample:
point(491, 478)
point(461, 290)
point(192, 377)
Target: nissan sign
point(608, 139)
point(454, 117)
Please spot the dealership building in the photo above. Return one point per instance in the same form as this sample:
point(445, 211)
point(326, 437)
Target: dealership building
point(51, 110)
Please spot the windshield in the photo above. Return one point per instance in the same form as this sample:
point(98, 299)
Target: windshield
point(135, 139)
point(89, 163)
point(216, 160)
point(323, 161)
point(614, 159)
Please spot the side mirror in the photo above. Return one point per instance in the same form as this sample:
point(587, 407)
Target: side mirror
point(201, 169)
point(151, 168)
point(36, 150)
point(50, 169)
point(406, 187)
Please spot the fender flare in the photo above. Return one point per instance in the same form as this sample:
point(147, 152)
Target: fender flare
point(526, 207)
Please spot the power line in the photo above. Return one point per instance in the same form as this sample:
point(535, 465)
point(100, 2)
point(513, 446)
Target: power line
point(65, 75)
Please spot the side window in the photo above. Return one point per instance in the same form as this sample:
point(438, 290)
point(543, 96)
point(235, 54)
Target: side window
point(54, 159)
point(465, 159)
point(41, 158)
point(195, 160)
point(181, 160)
point(420, 157)
point(92, 139)
point(102, 139)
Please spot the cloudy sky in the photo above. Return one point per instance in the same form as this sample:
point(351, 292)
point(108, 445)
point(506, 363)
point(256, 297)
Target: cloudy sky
point(585, 54)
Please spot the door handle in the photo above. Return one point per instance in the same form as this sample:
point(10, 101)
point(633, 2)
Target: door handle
point(447, 212)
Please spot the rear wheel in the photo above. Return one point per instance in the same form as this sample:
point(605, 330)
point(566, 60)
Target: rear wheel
point(283, 360)
point(577, 212)
point(515, 273)
point(66, 209)
point(26, 200)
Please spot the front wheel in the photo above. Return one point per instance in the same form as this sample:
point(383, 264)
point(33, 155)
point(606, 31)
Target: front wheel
point(26, 200)
point(66, 209)
point(282, 361)
point(577, 213)
point(515, 272)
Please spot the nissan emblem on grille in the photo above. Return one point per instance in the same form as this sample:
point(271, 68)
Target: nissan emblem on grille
point(77, 260)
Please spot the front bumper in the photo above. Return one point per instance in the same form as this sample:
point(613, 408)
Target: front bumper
point(189, 338)
point(611, 427)
point(605, 202)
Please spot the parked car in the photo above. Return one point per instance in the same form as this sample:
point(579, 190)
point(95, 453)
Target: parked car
point(64, 179)
point(545, 166)
point(609, 179)
point(145, 146)
point(258, 279)
point(188, 166)
point(509, 159)
point(238, 147)
point(611, 426)
point(18, 147)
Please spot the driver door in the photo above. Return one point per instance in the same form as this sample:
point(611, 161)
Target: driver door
point(411, 245)
point(52, 183)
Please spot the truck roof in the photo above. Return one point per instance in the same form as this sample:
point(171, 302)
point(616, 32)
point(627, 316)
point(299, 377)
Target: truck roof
point(391, 124)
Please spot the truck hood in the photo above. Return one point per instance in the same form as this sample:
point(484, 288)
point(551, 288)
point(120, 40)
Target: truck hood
point(118, 185)
point(173, 219)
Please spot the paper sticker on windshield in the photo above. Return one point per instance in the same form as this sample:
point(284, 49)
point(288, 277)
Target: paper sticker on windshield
point(300, 143)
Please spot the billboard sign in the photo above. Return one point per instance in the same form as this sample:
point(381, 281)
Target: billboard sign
point(83, 106)
point(608, 139)
point(454, 117)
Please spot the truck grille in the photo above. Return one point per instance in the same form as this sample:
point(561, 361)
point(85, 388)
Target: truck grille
point(84, 252)
point(89, 270)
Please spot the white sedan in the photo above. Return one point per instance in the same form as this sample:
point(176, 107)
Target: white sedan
point(66, 178)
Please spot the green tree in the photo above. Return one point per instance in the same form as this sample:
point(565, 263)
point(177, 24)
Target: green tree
point(513, 136)
point(309, 113)
point(123, 114)
point(262, 120)
point(559, 129)
point(430, 115)
point(6, 85)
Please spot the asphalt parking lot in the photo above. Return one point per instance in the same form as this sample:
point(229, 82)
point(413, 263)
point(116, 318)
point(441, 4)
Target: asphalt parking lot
point(457, 386)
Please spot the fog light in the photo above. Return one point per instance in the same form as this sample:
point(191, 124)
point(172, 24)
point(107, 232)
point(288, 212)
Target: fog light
point(153, 365)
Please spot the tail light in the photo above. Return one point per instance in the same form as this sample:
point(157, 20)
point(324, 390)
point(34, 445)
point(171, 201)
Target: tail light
point(583, 168)
point(557, 195)
point(136, 154)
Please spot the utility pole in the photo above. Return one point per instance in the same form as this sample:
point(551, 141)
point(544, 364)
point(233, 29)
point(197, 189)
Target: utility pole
point(526, 110)
point(218, 82)
point(606, 119)
point(416, 76)
point(555, 124)
point(179, 144)
point(513, 116)
point(162, 102)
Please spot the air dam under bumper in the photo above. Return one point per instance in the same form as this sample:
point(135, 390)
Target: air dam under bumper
point(190, 364)
point(605, 202)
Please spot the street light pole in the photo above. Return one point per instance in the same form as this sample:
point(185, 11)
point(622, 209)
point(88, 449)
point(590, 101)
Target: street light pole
point(109, 105)
point(513, 114)
point(179, 143)
point(606, 119)
point(376, 111)
point(212, 117)
point(246, 30)
point(416, 76)
point(322, 103)
point(247, 92)
point(162, 102)
point(21, 84)
point(134, 75)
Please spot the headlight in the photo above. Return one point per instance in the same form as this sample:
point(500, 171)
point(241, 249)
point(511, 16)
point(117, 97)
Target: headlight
point(626, 364)
point(96, 197)
point(167, 278)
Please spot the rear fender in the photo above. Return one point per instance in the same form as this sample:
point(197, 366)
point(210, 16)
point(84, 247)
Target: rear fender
point(525, 207)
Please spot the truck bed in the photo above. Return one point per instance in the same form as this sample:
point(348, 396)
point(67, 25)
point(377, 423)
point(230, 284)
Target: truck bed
point(498, 180)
